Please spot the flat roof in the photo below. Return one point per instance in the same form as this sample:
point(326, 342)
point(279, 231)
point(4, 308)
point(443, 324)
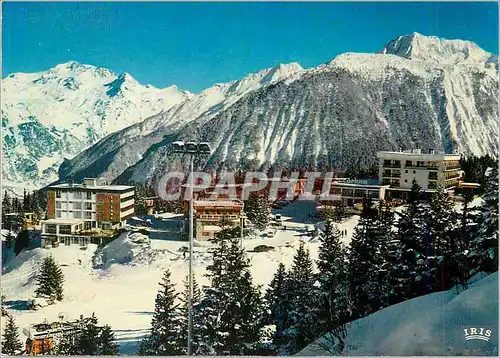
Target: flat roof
point(62, 221)
point(217, 203)
point(362, 186)
point(435, 156)
point(93, 187)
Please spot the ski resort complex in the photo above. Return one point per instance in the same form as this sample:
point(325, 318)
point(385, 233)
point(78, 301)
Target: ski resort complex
point(250, 179)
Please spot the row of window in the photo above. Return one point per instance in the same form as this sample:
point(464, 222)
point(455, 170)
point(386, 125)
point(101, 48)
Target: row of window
point(76, 205)
point(76, 194)
point(76, 214)
point(409, 163)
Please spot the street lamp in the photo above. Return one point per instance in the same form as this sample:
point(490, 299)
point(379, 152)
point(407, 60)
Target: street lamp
point(191, 149)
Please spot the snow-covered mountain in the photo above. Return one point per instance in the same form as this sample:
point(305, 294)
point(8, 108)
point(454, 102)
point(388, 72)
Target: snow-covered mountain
point(56, 114)
point(115, 153)
point(418, 92)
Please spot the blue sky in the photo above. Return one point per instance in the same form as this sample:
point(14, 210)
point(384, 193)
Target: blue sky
point(195, 45)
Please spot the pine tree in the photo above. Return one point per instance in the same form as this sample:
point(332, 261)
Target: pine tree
point(484, 251)
point(6, 208)
point(446, 262)
point(365, 262)
point(276, 300)
point(231, 309)
point(11, 344)
point(88, 341)
point(301, 290)
point(25, 202)
point(410, 273)
point(257, 210)
point(333, 295)
point(50, 280)
point(107, 344)
point(68, 345)
point(166, 323)
point(196, 320)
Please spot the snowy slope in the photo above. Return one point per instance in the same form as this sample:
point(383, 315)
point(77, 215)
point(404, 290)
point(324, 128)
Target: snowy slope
point(119, 282)
point(419, 92)
point(58, 113)
point(113, 155)
point(430, 325)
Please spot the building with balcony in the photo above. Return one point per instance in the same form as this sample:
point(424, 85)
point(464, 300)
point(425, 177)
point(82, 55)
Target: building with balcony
point(398, 169)
point(209, 213)
point(76, 209)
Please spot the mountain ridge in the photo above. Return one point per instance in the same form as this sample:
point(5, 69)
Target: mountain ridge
point(454, 93)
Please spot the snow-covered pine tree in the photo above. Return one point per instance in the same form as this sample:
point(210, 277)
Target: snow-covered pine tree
point(6, 208)
point(484, 250)
point(68, 345)
point(166, 322)
point(231, 309)
point(333, 310)
point(88, 340)
point(446, 263)
point(257, 210)
point(390, 252)
point(365, 262)
point(107, 343)
point(184, 309)
point(302, 309)
point(340, 211)
point(11, 345)
point(411, 272)
point(50, 280)
point(277, 301)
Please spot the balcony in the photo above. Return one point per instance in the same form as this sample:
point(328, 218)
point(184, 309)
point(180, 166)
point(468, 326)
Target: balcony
point(396, 166)
point(423, 167)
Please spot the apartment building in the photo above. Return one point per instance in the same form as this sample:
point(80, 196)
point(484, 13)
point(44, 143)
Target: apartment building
point(398, 169)
point(72, 208)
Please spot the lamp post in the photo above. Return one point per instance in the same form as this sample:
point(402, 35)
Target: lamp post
point(191, 149)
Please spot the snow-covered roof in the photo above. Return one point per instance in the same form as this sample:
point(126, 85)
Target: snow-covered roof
point(213, 228)
point(93, 187)
point(217, 203)
point(62, 221)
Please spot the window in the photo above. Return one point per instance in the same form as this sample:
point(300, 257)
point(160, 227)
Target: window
point(58, 205)
point(89, 195)
point(58, 193)
point(432, 185)
point(387, 163)
point(77, 205)
point(50, 229)
point(77, 214)
point(88, 206)
point(88, 215)
point(58, 213)
point(420, 164)
point(414, 172)
point(406, 171)
point(409, 163)
point(397, 163)
point(65, 229)
point(432, 175)
point(406, 181)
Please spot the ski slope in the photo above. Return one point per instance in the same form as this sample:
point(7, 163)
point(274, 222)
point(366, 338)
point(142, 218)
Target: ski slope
point(431, 325)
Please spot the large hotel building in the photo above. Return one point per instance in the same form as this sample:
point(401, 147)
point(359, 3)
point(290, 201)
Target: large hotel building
point(92, 205)
point(398, 169)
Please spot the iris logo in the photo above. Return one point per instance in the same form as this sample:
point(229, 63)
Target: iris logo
point(477, 333)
